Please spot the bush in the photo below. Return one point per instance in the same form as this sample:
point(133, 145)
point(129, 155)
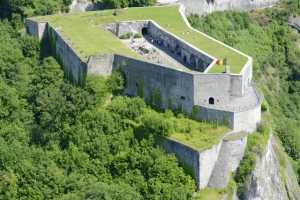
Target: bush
point(137, 35)
point(126, 36)
point(130, 108)
point(156, 124)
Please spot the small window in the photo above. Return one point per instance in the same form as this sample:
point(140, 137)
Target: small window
point(211, 101)
point(182, 98)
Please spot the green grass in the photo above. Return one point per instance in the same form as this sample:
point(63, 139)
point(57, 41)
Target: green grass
point(86, 34)
point(209, 194)
point(198, 135)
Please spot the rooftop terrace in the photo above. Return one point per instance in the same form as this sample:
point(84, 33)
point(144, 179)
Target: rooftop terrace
point(85, 33)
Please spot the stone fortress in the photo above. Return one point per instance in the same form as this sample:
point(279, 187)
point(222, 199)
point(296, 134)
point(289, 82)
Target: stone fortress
point(179, 73)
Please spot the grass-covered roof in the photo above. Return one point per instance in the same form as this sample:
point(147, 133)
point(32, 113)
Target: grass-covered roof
point(86, 34)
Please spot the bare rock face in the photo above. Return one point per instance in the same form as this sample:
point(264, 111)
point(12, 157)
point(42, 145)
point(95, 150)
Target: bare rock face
point(82, 6)
point(270, 180)
point(202, 7)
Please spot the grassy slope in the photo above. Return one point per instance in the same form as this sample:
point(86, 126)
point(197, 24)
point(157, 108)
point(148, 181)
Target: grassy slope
point(87, 36)
point(198, 135)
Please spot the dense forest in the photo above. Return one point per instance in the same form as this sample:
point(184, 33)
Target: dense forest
point(60, 141)
point(266, 36)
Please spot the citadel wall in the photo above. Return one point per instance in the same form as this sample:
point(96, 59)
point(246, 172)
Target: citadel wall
point(210, 167)
point(165, 87)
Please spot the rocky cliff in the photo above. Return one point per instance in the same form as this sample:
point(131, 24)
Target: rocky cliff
point(273, 177)
point(202, 7)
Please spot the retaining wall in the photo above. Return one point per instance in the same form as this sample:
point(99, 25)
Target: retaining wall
point(231, 153)
point(211, 167)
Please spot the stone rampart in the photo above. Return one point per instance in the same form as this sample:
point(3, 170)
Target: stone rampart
point(74, 67)
point(100, 64)
point(36, 29)
point(159, 85)
point(210, 167)
point(185, 53)
point(231, 153)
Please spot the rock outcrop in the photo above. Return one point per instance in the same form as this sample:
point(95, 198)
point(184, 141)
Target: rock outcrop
point(202, 7)
point(271, 179)
point(82, 6)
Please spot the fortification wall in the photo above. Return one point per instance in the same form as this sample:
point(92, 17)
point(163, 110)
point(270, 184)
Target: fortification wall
point(231, 153)
point(100, 64)
point(202, 7)
point(36, 29)
point(211, 114)
point(216, 86)
point(186, 155)
point(74, 67)
point(247, 120)
point(162, 86)
point(187, 54)
point(239, 82)
point(211, 167)
point(207, 162)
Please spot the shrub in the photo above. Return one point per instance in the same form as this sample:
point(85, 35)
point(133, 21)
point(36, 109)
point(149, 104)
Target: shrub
point(126, 36)
point(157, 124)
point(130, 108)
point(137, 35)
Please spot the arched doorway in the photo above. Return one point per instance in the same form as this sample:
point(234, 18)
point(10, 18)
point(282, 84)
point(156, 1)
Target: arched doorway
point(211, 101)
point(145, 31)
point(193, 61)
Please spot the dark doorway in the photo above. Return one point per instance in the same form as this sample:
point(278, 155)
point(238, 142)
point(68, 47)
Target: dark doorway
point(211, 101)
point(193, 61)
point(144, 31)
point(184, 59)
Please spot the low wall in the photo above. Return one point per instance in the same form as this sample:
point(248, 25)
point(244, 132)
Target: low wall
point(210, 114)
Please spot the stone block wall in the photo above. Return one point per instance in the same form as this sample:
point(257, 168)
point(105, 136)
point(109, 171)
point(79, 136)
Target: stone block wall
point(165, 86)
point(247, 120)
point(188, 156)
point(100, 64)
point(211, 167)
point(215, 86)
point(74, 67)
point(231, 153)
point(207, 163)
point(36, 29)
point(185, 53)
point(220, 116)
